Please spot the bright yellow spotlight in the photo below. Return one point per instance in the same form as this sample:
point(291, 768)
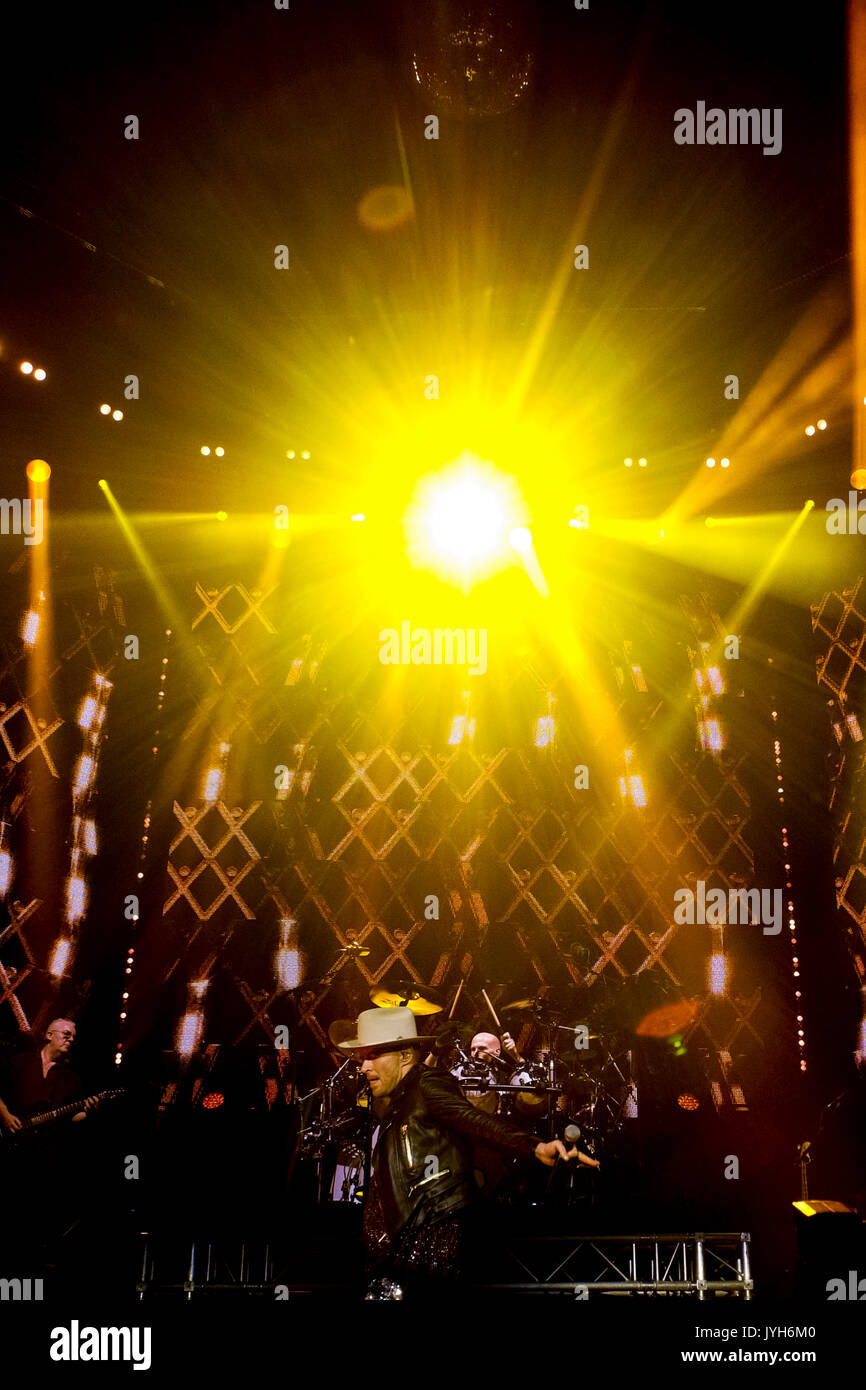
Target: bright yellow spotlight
point(105, 409)
point(726, 463)
point(222, 516)
point(822, 424)
point(305, 454)
point(628, 463)
point(711, 463)
point(38, 471)
point(27, 368)
point(858, 479)
point(521, 539)
point(103, 484)
point(642, 463)
point(290, 453)
point(219, 453)
point(117, 414)
point(205, 450)
point(460, 520)
point(810, 429)
point(40, 374)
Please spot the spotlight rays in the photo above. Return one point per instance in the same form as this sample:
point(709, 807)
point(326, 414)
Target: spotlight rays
point(146, 564)
point(808, 377)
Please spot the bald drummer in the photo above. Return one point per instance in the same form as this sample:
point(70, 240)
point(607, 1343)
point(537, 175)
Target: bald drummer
point(486, 1049)
point(486, 1045)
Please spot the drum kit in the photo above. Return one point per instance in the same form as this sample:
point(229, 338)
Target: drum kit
point(577, 1087)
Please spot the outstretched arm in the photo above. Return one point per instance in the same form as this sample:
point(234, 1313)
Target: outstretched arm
point(447, 1103)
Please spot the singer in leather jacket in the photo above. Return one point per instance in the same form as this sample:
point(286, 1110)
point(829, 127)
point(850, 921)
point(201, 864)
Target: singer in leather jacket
point(423, 1159)
point(422, 1182)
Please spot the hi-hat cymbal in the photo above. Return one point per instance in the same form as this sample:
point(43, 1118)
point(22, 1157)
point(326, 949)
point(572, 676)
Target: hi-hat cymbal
point(419, 998)
point(341, 1030)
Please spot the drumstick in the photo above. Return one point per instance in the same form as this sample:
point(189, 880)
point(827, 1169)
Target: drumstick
point(430, 1056)
point(456, 997)
point(492, 1010)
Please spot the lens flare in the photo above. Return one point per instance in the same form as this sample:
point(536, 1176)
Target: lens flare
point(460, 521)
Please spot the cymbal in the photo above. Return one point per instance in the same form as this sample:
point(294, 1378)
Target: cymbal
point(667, 1020)
point(341, 1030)
point(535, 1002)
point(419, 998)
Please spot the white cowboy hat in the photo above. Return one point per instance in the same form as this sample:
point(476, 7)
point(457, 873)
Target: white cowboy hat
point(385, 1028)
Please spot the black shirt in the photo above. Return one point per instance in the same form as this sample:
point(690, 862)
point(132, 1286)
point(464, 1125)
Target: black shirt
point(23, 1088)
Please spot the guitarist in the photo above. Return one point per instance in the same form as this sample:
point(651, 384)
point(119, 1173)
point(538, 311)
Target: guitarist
point(41, 1080)
point(45, 1207)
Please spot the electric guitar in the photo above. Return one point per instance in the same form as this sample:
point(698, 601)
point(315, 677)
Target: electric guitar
point(46, 1117)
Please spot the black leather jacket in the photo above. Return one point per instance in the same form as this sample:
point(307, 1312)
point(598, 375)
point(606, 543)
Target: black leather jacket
point(422, 1163)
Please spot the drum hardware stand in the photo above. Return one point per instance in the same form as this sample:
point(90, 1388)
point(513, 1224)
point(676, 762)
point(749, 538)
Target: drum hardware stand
point(323, 1127)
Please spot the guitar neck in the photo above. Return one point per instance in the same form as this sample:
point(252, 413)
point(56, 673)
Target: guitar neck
point(48, 1115)
point(57, 1114)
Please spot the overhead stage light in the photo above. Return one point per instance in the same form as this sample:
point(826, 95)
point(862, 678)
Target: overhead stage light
point(5, 872)
point(460, 520)
point(60, 956)
point(38, 471)
point(288, 961)
point(521, 539)
point(27, 368)
point(718, 973)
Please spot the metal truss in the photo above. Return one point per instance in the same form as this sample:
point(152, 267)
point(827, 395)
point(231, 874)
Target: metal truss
point(699, 1265)
point(33, 717)
point(228, 878)
point(839, 625)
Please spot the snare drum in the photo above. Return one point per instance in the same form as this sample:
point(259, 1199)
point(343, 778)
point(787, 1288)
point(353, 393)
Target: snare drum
point(474, 1078)
point(530, 1102)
